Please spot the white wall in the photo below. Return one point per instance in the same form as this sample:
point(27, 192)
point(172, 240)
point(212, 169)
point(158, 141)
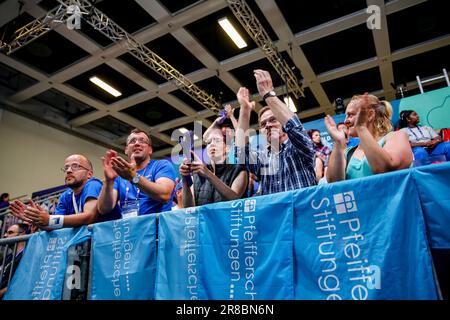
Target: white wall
point(31, 155)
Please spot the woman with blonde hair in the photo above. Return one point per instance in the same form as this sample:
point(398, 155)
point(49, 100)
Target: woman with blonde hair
point(380, 150)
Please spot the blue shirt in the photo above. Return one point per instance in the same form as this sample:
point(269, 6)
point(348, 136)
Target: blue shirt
point(127, 191)
point(292, 168)
point(91, 190)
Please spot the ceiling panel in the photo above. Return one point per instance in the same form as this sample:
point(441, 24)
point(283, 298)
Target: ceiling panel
point(153, 112)
point(357, 83)
point(417, 24)
point(340, 49)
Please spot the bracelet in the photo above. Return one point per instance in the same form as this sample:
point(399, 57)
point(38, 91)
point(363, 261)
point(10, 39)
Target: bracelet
point(56, 221)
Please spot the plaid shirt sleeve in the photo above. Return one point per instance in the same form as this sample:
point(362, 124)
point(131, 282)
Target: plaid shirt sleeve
point(299, 138)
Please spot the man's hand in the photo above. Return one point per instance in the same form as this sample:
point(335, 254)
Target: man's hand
point(263, 81)
point(110, 173)
point(125, 169)
point(37, 215)
point(17, 209)
point(243, 97)
point(337, 135)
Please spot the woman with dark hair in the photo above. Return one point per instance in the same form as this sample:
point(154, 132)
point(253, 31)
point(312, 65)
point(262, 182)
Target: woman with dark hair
point(379, 150)
point(322, 153)
point(425, 142)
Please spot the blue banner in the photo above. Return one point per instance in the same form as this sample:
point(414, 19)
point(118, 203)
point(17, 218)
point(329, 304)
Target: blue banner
point(362, 239)
point(40, 274)
point(228, 251)
point(124, 259)
point(433, 183)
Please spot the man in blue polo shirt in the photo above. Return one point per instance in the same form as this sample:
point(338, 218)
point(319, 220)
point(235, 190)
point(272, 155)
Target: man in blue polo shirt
point(77, 205)
point(140, 186)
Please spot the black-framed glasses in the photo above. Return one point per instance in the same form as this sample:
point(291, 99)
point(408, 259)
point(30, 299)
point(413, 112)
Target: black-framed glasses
point(73, 167)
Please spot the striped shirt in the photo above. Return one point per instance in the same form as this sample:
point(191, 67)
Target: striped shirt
point(291, 168)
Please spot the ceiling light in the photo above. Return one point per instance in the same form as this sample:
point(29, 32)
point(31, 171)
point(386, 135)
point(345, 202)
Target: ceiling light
point(232, 33)
point(290, 103)
point(102, 84)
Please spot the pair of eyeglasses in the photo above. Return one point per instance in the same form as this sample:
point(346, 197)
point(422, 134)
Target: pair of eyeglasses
point(136, 140)
point(73, 167)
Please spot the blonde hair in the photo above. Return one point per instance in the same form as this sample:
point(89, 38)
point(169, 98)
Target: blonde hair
point(383, 112)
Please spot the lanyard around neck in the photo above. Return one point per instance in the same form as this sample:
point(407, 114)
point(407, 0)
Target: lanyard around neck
point(76, 207)
point(421, 133)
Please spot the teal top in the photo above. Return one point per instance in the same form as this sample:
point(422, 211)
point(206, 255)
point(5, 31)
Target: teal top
point(358, 168)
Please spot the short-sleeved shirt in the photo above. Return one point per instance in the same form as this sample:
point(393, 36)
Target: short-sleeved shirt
point(153, 171)
point(66, 205)
point(420, 134)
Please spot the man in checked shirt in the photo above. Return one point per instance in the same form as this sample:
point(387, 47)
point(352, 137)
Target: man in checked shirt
point(287, 163)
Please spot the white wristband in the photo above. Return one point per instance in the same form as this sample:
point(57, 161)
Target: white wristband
point(56, 221)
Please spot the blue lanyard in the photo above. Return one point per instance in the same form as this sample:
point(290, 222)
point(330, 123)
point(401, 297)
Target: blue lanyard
point(421, 133)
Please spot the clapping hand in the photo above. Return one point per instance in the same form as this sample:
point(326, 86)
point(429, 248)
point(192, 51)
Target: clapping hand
point(337, 135)
point(110, 173)
point(125, 169)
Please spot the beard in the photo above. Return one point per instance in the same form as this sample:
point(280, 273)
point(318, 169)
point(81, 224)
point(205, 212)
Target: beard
point(74, 184)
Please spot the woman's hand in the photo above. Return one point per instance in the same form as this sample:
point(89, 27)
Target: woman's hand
point(185, 168)
point(338, 136)
point(199, 167)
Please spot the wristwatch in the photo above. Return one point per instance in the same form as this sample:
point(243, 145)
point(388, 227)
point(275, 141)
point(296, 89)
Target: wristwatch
point(270, 93)
point(136, 178)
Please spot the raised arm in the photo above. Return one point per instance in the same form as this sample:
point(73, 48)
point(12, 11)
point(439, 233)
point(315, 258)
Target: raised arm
point(279, 109)
point(245, 111)
point(337, 161)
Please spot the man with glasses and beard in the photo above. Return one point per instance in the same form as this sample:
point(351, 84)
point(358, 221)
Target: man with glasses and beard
point(140, 185)
point(77, 205)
